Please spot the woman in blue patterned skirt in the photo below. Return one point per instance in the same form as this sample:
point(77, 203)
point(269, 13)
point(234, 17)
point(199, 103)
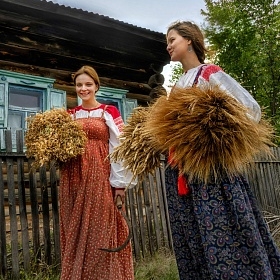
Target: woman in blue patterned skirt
point(218, 230)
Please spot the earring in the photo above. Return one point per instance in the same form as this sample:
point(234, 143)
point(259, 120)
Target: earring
point(190, 49)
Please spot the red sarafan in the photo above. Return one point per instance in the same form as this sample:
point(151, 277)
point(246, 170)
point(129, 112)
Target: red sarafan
point(89, 218)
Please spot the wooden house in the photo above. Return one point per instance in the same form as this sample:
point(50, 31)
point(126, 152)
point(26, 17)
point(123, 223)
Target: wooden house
point(42, 44)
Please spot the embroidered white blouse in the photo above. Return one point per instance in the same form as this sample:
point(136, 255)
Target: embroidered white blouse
point(119, 176)
point(214, 75)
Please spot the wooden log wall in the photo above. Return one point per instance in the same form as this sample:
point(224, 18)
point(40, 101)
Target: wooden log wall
point(63, 81)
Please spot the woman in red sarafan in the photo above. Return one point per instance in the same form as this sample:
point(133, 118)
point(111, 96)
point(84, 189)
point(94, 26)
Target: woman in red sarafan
point(89, 185)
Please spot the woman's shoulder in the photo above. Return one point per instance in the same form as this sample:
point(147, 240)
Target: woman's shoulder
point(111, 109)
point(209, 69)
point(72, 111)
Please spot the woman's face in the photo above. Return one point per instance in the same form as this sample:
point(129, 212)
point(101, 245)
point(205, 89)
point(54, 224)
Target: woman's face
point(86, 88)
point(177, 46)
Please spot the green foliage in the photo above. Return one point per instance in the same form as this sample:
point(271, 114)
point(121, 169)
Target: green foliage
point(243, 38)
point(177, 71)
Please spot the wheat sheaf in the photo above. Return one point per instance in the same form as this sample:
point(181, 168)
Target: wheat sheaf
point(53, 136)
point(209, 132)
point(136, 149)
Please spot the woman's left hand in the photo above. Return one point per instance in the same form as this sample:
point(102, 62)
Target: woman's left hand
point(119, 197)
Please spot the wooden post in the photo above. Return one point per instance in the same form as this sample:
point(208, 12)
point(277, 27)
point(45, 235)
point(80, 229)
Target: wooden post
point(46, 215)
point(12, 206)
point(3, 250)
point(55, 211)
point(22, 202)
point(34, 212)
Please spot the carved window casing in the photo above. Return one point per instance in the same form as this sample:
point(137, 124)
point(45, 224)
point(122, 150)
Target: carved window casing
point(23, 95)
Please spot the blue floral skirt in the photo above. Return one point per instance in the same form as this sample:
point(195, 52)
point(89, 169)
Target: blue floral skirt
point(219, 232)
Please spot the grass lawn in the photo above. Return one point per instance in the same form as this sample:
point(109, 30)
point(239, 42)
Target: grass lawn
point(162, 266)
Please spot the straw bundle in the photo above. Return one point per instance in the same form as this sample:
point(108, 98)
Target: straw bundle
point(208, 131)
point(53, 135)
point(136, 150)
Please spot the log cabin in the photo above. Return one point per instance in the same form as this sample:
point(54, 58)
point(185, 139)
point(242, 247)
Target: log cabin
point(42, 44)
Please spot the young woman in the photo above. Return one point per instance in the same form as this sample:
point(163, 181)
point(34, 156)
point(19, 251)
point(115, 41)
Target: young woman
point(218, 230)
point(89, 186)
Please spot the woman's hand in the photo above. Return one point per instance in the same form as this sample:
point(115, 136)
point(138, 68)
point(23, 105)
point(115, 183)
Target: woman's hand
point(119, 198)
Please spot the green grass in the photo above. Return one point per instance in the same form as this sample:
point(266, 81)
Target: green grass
point(162, 266)
point(39, 271)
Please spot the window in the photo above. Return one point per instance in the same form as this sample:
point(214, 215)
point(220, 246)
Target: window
point(23, 101)
point(23, 95)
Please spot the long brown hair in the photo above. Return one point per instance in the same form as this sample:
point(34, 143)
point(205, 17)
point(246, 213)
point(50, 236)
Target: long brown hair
point(191, 31)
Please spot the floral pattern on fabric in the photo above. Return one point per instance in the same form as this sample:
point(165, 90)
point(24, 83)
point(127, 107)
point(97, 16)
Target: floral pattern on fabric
point(89, 219)
point(219, 232)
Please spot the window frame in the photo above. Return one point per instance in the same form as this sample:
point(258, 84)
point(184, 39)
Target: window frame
point(51, 97)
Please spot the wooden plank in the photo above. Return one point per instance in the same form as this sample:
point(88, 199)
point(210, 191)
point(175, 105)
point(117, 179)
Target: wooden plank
point(265, 181)
point(65, 82)
point(12, 207)
point(147, 204)
point(55, 212)
point(165, 204)
point(270, 187)
point(255, 181)
point(14, 51)
point(141, 218)
point(46, 215)
point(276, 176)
point(34, 212)
point(134, 227)
point(26, 168)
point(22, 203)
point(154, 199)
point(261, 179)
point(3, 245)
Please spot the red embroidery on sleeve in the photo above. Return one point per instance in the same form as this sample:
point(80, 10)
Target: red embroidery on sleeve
point(115, 113)
point(210, 69)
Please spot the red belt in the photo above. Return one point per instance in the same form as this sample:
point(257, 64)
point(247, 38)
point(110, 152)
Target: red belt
point(182, 183)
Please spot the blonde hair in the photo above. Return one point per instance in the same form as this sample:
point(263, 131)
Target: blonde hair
point(191, 31)
point(89, 71)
